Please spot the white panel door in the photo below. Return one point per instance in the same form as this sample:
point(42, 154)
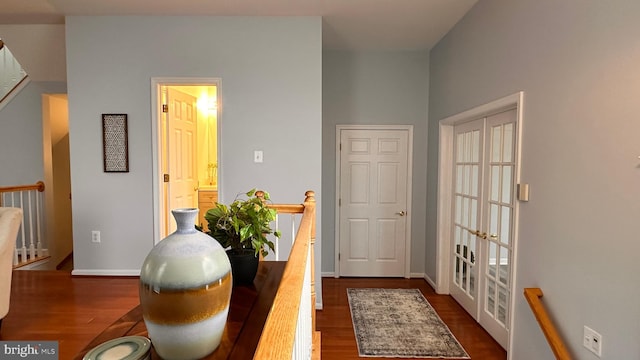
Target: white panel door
point(182, 142)
point(483, 220)
point(373, 202)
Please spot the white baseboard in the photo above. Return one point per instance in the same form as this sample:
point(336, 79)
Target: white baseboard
point(106, 272)
point(411, 276)
point(430, 281)
point(425, 277)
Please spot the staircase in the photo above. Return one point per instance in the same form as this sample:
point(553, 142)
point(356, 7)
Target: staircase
point(12, 75)
point(31, 246)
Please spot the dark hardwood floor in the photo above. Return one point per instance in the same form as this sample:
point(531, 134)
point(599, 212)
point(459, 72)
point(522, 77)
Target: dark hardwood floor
point(338, 339)
point(53, 305)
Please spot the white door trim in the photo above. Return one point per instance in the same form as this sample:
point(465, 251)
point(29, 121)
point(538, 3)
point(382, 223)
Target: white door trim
point(445, 184)
point(156, 102)
point(409, 128)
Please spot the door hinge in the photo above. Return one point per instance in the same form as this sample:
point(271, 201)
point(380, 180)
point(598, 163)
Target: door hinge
point(166, 177)
point(165, 108)
point(338, 256)
point(339, 202)
point(340, 146)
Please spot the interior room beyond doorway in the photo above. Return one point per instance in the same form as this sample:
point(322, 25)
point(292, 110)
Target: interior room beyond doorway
point(189, 149)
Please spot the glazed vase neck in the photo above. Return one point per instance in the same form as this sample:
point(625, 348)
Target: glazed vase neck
point(185, 220)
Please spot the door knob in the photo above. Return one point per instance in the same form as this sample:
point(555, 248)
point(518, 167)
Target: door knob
point(401, 213)
point(478, 233)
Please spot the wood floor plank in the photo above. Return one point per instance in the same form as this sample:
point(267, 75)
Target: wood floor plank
point(55, 306)
point(338, 339)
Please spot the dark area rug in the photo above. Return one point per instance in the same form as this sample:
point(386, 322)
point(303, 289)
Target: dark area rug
point(400, 323)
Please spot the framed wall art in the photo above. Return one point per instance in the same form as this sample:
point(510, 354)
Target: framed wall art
point(115, 143)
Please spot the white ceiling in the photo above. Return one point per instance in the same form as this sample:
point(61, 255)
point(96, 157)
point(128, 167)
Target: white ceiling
point(347, 24)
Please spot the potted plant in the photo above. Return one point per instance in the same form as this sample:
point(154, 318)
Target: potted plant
point(242, 228)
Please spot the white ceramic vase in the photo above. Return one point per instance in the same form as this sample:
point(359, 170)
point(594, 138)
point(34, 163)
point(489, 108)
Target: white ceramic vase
point(185, 289)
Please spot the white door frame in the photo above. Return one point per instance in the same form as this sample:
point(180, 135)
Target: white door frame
point(409, 128)
point(445, 188)
point(156, 103)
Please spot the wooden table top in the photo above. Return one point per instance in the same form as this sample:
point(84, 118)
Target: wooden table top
point(250, 305)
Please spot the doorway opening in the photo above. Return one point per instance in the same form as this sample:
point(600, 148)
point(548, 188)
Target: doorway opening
point(185, 125)
point(479, 169)
point(57, 180)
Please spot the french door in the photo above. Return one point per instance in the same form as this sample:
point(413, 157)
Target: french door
point(468, 166)
point(483, 219)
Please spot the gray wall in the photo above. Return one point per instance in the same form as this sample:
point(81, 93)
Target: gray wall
point(271, 73)
point(578, 65)
point(21, 157)
point(375, 88)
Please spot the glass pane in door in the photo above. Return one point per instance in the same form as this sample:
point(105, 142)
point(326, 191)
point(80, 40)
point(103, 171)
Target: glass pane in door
point(499, 220)
point(466, 209)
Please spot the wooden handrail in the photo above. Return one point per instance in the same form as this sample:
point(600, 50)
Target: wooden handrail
point(37, 186)
point(278, 336)
point(282, 208)
point(30, 244)
point(533, 296)
point(288, 208)
point(14, 88)
point(6, 189)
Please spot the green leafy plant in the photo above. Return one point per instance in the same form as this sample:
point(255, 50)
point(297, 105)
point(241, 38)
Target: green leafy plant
point(244, 224)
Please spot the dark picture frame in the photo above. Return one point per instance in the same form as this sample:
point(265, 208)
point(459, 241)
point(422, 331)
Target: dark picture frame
point(115, 143)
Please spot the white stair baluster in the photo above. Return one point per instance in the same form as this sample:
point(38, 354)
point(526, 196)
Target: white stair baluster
point(23, 248)
point(32, 248)
point(277, 243)
point(40, 251)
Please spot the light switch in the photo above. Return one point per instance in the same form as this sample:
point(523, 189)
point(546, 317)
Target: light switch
point(257, 156)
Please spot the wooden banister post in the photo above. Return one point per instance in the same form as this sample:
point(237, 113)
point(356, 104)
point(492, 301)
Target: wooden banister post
point(260, 195)
point(310, 201)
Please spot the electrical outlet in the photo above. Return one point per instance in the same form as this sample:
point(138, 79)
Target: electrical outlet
point(95, 236)
point(592, 341)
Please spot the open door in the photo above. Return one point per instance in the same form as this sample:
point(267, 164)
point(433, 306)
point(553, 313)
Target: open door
point(185, 143)
point(181, 151)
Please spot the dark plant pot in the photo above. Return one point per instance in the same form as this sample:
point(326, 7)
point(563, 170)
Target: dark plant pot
point(244, 266)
